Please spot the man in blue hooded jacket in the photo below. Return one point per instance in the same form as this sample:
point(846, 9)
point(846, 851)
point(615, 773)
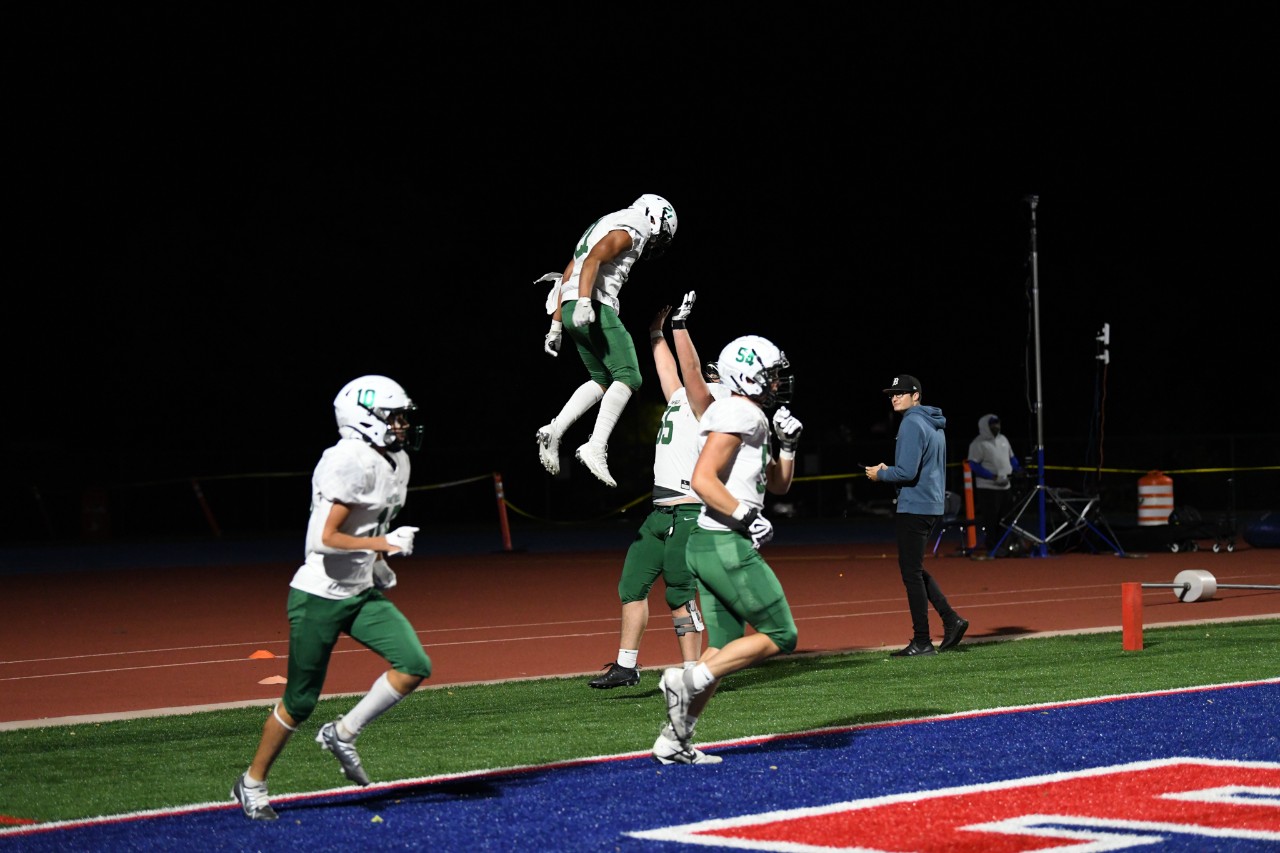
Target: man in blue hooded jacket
point(919, 473)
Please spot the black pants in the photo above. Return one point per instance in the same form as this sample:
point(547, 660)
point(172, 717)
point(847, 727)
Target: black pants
point(989, 506)
point(913, 533)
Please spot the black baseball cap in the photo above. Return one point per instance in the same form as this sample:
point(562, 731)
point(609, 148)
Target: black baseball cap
point(903, 384)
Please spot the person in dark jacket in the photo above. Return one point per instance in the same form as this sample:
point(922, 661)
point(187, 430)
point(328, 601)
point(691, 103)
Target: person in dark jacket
point(919, 474)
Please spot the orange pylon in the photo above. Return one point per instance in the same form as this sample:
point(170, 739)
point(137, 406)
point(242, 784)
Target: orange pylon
point(970, 534)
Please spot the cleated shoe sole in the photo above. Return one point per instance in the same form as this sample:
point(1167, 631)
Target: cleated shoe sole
point(549, 450)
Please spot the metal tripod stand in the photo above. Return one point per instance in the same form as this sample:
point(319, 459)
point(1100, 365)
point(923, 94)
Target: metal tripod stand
point(1075, 518)
point(1075, 514)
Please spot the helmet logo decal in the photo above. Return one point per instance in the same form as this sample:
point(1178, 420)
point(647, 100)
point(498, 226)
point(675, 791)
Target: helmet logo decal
point(377, 409)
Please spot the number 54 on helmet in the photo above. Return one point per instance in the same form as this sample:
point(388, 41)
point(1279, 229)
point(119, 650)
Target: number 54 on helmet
point(754, 367)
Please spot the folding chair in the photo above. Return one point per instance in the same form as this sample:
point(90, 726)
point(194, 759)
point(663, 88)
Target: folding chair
point(953, 519)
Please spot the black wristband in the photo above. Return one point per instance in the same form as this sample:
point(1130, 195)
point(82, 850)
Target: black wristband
point(745, 524)
point(677, 324)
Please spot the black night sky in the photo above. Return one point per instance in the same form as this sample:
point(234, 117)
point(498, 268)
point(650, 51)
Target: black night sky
point(221, 217)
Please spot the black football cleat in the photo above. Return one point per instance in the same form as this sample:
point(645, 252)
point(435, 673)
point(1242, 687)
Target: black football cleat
point(616, 676)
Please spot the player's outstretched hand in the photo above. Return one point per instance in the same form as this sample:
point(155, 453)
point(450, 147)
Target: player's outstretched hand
point(682, 313)
point(402, 539)
point(660, 319)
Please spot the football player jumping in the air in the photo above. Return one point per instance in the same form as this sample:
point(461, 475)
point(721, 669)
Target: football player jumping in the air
point(587, 291)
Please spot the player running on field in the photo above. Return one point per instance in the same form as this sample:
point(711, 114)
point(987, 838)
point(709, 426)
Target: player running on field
point(659, 547)
point(735, 585)
point(358, 487)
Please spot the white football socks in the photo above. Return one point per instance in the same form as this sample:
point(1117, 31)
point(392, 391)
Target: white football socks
point(580, 402)
point(611, 406)
point(380, 699)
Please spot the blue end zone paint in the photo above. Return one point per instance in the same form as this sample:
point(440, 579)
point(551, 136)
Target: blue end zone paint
point(590, 806)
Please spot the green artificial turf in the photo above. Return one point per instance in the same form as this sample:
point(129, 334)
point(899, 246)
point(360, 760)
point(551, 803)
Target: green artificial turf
point(92, 769)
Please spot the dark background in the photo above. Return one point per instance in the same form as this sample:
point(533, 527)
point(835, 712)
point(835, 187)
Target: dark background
point(222, 215)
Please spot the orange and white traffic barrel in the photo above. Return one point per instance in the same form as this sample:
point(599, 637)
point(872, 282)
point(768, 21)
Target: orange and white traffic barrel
point(970, 532)
point(1155, 499)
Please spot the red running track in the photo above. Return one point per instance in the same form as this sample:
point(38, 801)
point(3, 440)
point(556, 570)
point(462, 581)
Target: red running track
point(128, 642)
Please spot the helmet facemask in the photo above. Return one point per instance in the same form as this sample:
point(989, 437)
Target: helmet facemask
point(656, 246)
point(778, 384)
point(662, 225)
point(784, 383)
point(398, 433)
point(377, 410)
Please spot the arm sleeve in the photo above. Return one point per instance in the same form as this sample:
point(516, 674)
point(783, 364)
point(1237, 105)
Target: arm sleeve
point(979, 471)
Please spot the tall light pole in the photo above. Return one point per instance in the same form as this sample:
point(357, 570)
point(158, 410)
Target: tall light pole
point(1041, 547)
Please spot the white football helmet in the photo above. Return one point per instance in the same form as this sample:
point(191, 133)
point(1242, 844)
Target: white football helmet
point(754, 367)
point(662, 224)
point(369, 407)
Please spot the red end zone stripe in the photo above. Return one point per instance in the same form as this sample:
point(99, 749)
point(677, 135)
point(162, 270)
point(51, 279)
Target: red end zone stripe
point(1186, 796)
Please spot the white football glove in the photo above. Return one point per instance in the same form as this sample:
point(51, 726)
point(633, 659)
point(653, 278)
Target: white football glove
point(755, 527)
point(760, 529)
point(384, 577)
point(551, 343)
point(683, 312)
point(788, 428)
point(584, 314)
point(402, 538)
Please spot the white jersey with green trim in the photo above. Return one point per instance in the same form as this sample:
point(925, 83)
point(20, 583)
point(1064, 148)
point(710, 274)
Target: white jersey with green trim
point(374, 488)
point(748, 474)
point(613, 275)
point(676, 447)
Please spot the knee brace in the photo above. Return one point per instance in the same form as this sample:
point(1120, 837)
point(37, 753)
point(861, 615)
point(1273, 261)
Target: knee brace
point(691, 624)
